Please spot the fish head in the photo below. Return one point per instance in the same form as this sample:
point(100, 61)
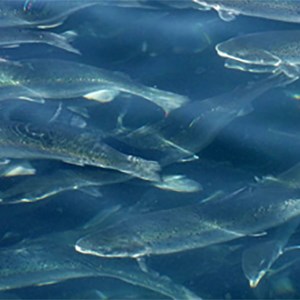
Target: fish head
point(239, 49)
point(112, 243)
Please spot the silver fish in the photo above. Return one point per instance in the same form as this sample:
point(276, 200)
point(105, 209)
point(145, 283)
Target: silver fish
point(48, 261)
point(39, 13)
point(279, 10)
point(13, 37)
point(189, 129)
point(37, 188)
point(43, 186)
point(36, 79)
point(248, 211)
point(258, 259)
point(72, 145)
point(52, 13)
point(270, 51)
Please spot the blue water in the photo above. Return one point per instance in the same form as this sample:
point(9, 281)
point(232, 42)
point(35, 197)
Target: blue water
point(173, 50)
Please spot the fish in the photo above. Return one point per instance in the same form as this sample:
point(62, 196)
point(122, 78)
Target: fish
point(88, 181)
point(39, 13)
point(52, 13)
point(188, 130)
point(40, 187)
point(249, 211)
point(14, 37)
point(278, 10)
point(37, 79)
point(258, 259)
point(267, 52)
point(23, 140)
point(48, 260)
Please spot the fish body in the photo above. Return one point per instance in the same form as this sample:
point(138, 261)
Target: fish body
point(52, 13)
point(59, 79)
point(43, 186)
point(72, 145)
point(13, 37)
point(189, 129)
point(47, 261)
point(88, 181)
point(44, 266)
point(52, 259)
point(279, 10)
point(266, 51)
point(38, 13)
point(248, 211)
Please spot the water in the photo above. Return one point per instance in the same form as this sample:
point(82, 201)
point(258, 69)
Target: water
point(171, 48)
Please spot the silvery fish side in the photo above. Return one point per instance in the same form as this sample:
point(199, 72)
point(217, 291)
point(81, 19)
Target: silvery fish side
point(71, 145)
point(39, 13)
point(52, 13)
point(13, 37)
point(279, 10)
point(44, 262)
point(58, 79)
point(189, 129)
point(27, 265)
point(40, 187)
point(89, 181)
point(270, 51)
point(248, 211)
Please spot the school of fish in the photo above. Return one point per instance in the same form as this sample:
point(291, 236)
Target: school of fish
point(149, 149)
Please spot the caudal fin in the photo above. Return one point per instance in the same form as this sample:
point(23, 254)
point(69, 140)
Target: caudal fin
point(144, 169)
point(168, 101)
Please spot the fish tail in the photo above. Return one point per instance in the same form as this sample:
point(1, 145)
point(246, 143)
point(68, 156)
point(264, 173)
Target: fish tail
point(168, 101)
point(144, 169)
